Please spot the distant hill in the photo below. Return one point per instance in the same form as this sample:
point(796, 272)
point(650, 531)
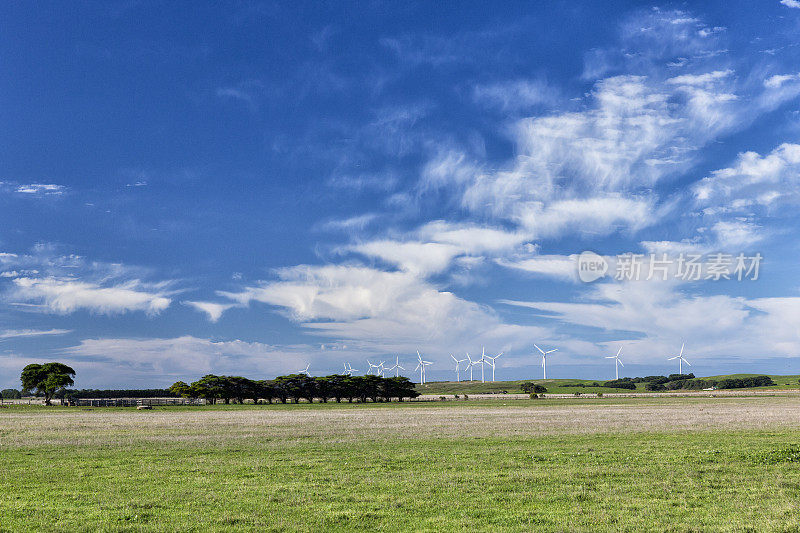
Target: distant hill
point(571, 386)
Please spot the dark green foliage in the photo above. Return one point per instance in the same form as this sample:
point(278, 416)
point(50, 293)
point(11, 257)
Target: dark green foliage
point(679, 377)
point(742, 383)
point(624, 383)
point(531, 387)
point(45, 380)
point(689, 384)
point(11, 394)
point(117, 393)
point(654, 386)
point(296, 387)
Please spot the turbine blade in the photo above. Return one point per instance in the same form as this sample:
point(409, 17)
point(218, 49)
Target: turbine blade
point(538, 348)
point(620, 362)
point(619, 351)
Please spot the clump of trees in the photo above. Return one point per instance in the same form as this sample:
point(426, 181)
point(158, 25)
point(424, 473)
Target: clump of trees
point(622, 383)
point(11, 394)
point(689, 382)
point(532, 388)
point(114, 393)
point(46, 379)
point(296, 387)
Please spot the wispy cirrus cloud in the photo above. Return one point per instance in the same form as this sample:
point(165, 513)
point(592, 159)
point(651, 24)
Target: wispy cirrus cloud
point(67, 295)
point(22, 333)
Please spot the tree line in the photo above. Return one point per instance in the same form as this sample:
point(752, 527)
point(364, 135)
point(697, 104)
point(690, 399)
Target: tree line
point(296, 387)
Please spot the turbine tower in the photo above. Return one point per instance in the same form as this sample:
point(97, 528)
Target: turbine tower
point(617, 361)
point(544, 360)
point(458, 369)
point(680, 359)
point(397, 368)
point(470, 364)
point(371, 366)
point(421, 367)
point(473, 363)
point(491, 362)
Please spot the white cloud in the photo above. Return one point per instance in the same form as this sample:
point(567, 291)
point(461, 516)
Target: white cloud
point(155, 362)
point(563, 267)
point(41, 188)
point(515, 95)
point(350, 224)
point(472, 238)
point(791, 3)
point(774, 82)
point(392, 311)
point(700, 79)
point(736, 235)
point(16, 333)
point(421, 258)
point(763, 179)
point(652, 320)
point(68, 295)
point(213, 310)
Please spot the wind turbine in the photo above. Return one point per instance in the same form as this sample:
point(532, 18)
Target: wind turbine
point(348, 370)
point(458, 370)
point(544, 360)
point(397, 368)
point(473, 363)
point(617, 361)
point(305, 370)
point(470, 364)
point(491, 361)
point(371, 366)
point(381, 369)
point(680, 359)
point(421, 367)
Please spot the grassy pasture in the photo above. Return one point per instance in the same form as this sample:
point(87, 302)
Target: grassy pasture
point(567, 386)
point(674, 464)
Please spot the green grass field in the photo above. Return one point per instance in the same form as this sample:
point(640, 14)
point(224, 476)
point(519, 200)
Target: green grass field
point(567, 386)
point(674, 464)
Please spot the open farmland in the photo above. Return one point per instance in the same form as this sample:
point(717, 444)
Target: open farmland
point(677, 464)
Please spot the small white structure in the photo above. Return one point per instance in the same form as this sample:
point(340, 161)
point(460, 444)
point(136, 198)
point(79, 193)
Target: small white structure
point(491, 362)
point(544, 360)
point(458, 368)
point(421, 367)
point(680, 359)
point(617, 361)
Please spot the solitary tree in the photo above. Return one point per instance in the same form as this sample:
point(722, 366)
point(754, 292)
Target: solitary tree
point(46, 379)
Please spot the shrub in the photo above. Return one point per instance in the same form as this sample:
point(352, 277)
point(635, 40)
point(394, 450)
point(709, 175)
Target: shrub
point(654, 386)
point(11, 394)
point(533, 396)
point(599, 394)
point(741, 383)
point(530, 386)
point(620, 384)
point(578, 393)
point(442, 398)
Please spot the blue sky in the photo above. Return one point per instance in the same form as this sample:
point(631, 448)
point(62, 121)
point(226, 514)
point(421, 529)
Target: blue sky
point(251, 187)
